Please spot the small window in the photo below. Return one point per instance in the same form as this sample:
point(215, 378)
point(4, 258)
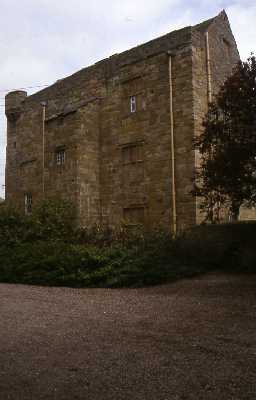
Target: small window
point(28, 203)
point(60, 157)
point(133, 104)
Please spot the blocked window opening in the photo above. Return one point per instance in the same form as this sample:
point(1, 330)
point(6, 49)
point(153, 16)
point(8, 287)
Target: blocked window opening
point(12, 124)
point(28, 203)
point(60, 157)
point(132, 154)
point(133, 104)
point(227, 47)
point(134, 215)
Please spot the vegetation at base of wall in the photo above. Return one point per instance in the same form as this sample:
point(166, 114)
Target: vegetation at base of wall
point(48, 249)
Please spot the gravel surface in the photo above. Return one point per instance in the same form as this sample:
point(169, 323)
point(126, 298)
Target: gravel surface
point(195, 339)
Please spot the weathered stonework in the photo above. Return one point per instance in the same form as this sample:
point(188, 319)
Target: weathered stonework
point(118, 163)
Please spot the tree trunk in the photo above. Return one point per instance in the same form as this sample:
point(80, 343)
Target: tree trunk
point(234, 211)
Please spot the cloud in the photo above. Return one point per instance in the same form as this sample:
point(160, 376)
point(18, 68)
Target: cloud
point(242, 20)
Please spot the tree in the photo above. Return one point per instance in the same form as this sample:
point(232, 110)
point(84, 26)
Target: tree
point(227, 146)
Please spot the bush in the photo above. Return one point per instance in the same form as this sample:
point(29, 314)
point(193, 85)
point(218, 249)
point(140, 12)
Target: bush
point(53, 220)
point(12, 225)
point(47, 249)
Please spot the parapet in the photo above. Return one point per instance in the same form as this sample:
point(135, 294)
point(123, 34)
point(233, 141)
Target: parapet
point(13, 103)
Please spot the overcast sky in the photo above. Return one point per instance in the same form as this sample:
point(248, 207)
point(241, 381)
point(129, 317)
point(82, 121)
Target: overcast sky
point(44, 40)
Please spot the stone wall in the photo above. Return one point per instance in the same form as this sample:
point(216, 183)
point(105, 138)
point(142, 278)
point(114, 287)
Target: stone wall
point(88, 115)
point(117, 162)
point(24, 153)
point(88, 164)
point(223, 57)
point(183, 136)
point(135, 147)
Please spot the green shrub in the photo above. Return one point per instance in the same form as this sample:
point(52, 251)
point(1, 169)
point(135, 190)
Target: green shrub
point(48, 249)
point(12, 225)
point(53, 220)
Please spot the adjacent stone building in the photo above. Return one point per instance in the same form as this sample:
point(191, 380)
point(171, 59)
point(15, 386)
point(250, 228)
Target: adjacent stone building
point(116, 138)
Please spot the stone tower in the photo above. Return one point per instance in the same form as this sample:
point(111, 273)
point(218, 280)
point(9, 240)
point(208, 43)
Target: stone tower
point(13, 110)
point(116, 138)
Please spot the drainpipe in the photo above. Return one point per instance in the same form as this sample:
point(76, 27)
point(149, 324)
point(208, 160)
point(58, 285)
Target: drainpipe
point(43, 104)
point(173, 183)
point(209, 82)
point(209, 72)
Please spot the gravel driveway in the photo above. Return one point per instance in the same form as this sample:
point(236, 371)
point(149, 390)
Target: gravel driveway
point(195, 339)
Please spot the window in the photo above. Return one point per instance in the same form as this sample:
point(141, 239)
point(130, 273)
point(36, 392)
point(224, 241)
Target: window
point(28, 203)
point(60, 157)
point(133, 104)
point(132, 154)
